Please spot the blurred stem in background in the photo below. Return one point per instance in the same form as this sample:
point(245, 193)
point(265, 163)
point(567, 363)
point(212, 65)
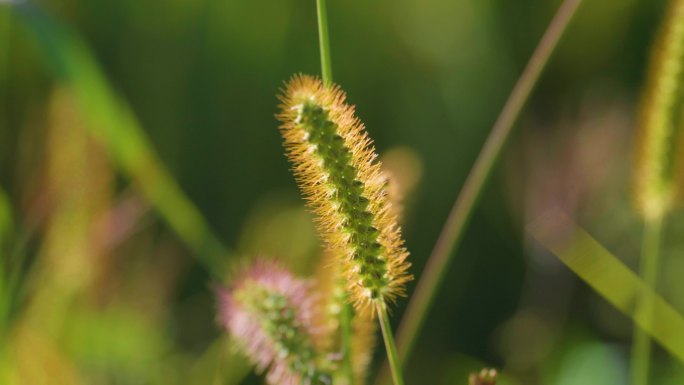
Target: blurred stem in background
point(112, 122)
point(609, 277)
point(5, 282)
point(5, 206)
point(641, 343)
point(452, 232)
point(6, 217)
point(659, 167)
point(347, 335)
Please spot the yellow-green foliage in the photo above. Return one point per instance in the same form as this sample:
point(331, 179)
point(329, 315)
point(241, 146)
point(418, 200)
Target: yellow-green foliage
point(335, 164)
point(659, 144)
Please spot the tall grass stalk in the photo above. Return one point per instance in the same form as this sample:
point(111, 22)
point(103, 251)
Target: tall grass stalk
point(324, 41)
point(392, 357)
point(452, 232)
point(335, 165)
point(659, 152)
point(659, 156)
point(347, 312)
point(641, 343)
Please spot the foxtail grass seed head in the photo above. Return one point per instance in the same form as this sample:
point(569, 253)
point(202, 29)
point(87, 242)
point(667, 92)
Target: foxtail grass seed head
point(659, 145)
point(269, 313)
point(335, 165)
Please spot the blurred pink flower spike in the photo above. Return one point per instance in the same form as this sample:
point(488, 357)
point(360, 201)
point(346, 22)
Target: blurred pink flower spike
point(269, 313)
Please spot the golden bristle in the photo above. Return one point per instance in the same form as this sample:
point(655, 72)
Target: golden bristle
point(335, 165)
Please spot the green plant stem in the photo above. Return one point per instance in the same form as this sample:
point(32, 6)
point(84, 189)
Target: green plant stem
point(641, 343)
point(449, 238)
point(326, 74)
point(346, 336)
point(324, 41)
point(392, 357)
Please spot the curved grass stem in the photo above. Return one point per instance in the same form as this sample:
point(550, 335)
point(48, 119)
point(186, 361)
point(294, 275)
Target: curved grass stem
point(392, 356)
point(641, 343)
point(451, 234)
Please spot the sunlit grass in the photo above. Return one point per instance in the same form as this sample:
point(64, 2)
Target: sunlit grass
point(609, 277)
point(94, 290)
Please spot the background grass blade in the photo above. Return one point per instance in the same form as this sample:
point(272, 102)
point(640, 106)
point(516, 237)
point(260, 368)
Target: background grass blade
point(5, 288)
point(437, 265)
point(113, 123)
point(610, 278)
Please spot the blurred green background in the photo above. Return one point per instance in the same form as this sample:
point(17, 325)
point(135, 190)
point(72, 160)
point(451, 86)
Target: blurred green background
point(100, 289)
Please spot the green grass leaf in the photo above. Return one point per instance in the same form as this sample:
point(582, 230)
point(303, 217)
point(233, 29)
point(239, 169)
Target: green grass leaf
point(610, 278)
point(111, 121)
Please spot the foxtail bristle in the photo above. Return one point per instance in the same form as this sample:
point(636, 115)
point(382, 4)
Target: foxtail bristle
point(660, 146)
point(270, 314)
point(335, 165)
